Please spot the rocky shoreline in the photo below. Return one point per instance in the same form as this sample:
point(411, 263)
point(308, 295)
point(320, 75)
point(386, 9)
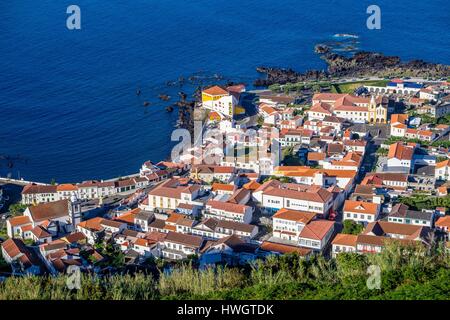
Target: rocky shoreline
point(361, 64)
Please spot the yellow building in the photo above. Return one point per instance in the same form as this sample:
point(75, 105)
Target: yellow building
point(377, 113)
point(219, 100)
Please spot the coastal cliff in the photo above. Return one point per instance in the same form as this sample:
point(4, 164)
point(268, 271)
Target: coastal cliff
point(361, 64)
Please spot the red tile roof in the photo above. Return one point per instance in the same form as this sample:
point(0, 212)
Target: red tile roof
point(316, 229)
point(215, 91)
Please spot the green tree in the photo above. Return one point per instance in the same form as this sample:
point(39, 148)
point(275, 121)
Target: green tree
point(352, 227)
point(17, 209)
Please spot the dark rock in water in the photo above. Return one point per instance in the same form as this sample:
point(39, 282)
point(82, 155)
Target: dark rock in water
point(146, 103)
point(321, 48)
point(164, 97)
point(182, 95)
point(361, 64)
point(169, 109)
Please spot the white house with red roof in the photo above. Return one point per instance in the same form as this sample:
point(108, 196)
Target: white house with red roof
point(316, 234)
point(172, 192)
point(274, 195)
point(14, 250)
point(400, 156)
point(37, 193)
point(350, 107)
point(176, 246)
point(443, 223)
point(319, 111)
point(287, 224)
point(398, 129)
point(360, 211)
point(442, 170)
point(228, 211)
point(220, 100)
point(16, 226)
point(269, 113)
point(343, 243)
point(351, 161)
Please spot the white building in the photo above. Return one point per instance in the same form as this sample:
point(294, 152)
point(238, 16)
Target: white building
point(228, 211)
point(220, 100)
point(360, 211)
point(317, 234)
point(178, 246)
point(287, 224)
point(273, 195)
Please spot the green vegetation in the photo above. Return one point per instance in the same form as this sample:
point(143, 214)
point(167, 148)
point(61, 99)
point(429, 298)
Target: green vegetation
point(424, 201)
point(393, 139)
point(281, 179)
point(298, 87)
point(29, 242)
point(352, 227)
point(291, 159)
point(425, 118)
point(350, 87)
point(17, 209)
point(300, 109)
point(4, 266)
point(407, 272)
point(382, 152)
point(438, 143)
point(3, 233)
point(113, 256)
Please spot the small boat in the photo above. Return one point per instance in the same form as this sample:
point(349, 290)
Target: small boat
point(138, 92)
point(169, 108)
point(146, 103)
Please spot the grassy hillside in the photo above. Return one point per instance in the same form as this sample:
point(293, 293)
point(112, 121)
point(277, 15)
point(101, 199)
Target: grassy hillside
point(406, 273)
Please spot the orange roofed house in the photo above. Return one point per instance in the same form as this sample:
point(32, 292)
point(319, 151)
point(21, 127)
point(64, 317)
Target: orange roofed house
point(228, 211)
point(178, 246)
point(58, 217)
point(350, 107)
point(287, 224)
point(170, 193)
point(14, 250)
point(343, 243)
point(209, 173)
point(360, 211)
point(443, 223)
point(274, 195)
point(400, 157)
point(221, 100)
point(394, 180)
point(442, 170)
point(316, 234)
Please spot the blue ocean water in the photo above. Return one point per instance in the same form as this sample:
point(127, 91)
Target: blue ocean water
point(68, 102)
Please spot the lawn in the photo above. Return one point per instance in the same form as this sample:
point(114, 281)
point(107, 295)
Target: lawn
point(349, 87)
